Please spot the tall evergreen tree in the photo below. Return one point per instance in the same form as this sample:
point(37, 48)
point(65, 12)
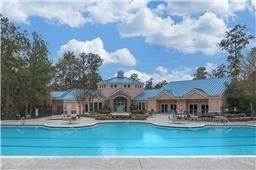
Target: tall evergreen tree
point(135, 76)
point(25, 70)
point(14, 45)
point(242, 93)
point(219, 72)
point(67, 72)
point(94, 62)
point(234, 42)
point(38, 74)
point(160, 84)
point(201, 73)
point(251, 62)
point(149, 84)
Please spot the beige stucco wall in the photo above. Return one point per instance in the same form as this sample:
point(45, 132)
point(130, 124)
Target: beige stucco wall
point(152, 105)
point(181, 106)
point(215, 104)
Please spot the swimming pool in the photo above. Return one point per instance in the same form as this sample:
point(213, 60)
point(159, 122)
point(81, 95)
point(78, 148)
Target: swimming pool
point(127, 139)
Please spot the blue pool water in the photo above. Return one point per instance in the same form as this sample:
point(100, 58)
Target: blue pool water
point(120, 139)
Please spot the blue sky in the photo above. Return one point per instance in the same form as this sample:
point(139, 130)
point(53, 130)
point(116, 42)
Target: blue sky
point(164, 40)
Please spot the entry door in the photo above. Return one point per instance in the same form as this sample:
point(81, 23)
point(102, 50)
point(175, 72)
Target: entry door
point(120, 106)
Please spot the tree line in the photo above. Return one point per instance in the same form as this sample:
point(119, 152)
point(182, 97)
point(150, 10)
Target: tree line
point(149, 83)
point(28, 76)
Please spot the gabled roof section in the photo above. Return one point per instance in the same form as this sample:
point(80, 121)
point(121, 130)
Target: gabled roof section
point(211, 87)
point(120, 92)
point(165, 91)
point(119, 80)
point(196, 91)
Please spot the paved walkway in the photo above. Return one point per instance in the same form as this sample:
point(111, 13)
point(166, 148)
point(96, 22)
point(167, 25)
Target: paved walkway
point(184, 163)
point(159, 119)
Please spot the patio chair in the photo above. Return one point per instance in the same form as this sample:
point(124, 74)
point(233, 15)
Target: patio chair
point(67, 118)
point(172, 118)
point(193, 117)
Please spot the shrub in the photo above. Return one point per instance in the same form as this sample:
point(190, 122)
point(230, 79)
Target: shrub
point(138, 111)
point(120, 117)
point(11, 116)
point(133, 107)
point(105, 110)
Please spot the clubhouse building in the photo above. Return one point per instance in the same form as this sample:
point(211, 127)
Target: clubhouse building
point(118, 93)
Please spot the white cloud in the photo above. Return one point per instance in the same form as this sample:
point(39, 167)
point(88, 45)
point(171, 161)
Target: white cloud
point(53, 11)
point(161, 70)
point(142, 75)
point(201, 27)
point(191, 35)
point(210, 66)
point(173, 75)
point(223, 8)
point(72, 13)
point(121, 56)
point(253, 4)
point(108, 12)
point(144, 23)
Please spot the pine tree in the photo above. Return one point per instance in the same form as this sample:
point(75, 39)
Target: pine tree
point(200, 73)
point(234, 42)
point(149, 84)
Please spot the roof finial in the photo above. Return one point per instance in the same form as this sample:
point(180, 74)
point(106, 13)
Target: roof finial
point(120, 74)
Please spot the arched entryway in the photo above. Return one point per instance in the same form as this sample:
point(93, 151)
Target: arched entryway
point(120, 104)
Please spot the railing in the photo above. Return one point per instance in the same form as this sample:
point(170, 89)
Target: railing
point(223, 119)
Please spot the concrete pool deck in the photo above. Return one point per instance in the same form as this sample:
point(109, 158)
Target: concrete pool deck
point(129, 163)
point(158, 119)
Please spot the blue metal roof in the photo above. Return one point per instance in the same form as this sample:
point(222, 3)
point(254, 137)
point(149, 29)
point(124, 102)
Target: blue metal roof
point(119, 80)
point(147, 93)
point(211, 87)
point(71, 95)
point(57, 94)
